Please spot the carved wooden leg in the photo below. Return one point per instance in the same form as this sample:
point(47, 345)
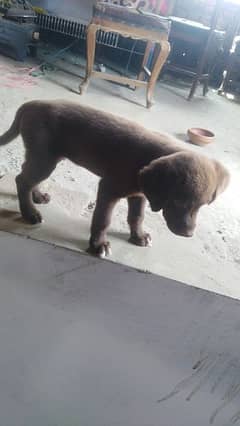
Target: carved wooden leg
point(165, 50)
point(91, 47)
point(148, 49)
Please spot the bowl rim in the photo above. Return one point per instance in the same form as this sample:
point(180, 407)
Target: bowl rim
point(194, 131)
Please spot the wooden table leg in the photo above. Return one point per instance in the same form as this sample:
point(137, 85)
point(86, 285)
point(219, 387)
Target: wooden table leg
point(206, 86)
point(193, 87)
point(160, 61)
point(91, 48)
point(226, 76)
point(148, 49)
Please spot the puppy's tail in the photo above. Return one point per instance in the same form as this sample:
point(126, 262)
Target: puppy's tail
point(13, 131)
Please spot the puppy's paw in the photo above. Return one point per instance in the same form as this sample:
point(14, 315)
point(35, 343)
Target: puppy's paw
point(102, 250)
point(33, 217)
point(39, 198)
point(144, 240)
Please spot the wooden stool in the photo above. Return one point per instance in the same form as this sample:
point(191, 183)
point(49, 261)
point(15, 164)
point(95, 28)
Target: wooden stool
point(129, 23)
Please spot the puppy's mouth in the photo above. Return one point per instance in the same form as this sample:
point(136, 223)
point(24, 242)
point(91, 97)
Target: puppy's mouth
point(180, 231)
point(187, 233)
point(178, 228)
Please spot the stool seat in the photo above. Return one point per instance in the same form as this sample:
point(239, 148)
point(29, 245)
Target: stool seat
point(131, 16)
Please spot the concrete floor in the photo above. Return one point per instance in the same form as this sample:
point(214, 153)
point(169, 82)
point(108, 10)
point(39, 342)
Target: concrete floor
point(91, 343)
point(212, 258)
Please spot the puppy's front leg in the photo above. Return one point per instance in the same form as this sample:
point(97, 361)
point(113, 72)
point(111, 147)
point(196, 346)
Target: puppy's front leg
point(106, 201)
point(136, 207)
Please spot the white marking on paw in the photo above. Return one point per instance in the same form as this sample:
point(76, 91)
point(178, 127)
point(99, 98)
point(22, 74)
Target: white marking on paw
point(109, 251)
point(102, 255)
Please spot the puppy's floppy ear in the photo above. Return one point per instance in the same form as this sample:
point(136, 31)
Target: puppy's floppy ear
point(222, 179)
point(157, 181)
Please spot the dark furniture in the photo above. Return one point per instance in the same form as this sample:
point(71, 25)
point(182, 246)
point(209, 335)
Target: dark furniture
point(194, 51)
point(231, 76)
point(231, 79)
point(19, 34)
point(17, 40)
point(189, 39)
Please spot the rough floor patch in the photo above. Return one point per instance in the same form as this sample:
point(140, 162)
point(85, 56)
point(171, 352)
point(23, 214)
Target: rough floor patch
point(16, 78)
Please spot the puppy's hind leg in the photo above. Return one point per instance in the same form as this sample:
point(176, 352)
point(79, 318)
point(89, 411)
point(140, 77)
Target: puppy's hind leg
point(35, 169)
point(136, 207)
point(38, 196)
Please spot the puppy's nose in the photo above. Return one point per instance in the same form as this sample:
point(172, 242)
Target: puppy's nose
point(188, 233)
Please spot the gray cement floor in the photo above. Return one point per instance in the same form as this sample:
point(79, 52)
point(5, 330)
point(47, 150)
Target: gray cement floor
point(212, 258)
point(92, 343)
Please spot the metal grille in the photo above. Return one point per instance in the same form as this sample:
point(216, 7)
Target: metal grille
point(74, 29)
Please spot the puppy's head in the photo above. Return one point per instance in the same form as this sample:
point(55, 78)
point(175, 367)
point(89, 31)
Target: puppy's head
point(179, 184)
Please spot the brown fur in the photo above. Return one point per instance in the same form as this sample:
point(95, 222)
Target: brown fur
point(131, 161)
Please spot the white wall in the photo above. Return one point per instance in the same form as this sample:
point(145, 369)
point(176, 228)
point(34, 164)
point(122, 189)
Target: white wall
point(78, 9)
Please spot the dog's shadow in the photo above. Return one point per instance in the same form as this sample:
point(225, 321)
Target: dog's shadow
point(9, 195)
point(11, 220)
point(7, 214)
point(182, 137)
point(124, 236)
point(12, 216)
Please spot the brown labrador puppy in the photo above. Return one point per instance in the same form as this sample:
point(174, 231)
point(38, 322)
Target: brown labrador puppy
point(132, 162)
